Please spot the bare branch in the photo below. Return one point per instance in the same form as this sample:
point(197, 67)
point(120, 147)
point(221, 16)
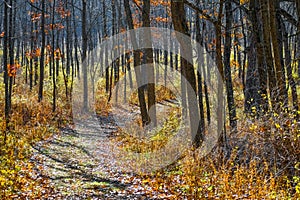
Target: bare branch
point(288, 16)
point(200, 11)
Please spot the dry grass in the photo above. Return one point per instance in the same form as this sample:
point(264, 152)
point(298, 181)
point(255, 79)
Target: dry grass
point(30, 122)
point(263, 163)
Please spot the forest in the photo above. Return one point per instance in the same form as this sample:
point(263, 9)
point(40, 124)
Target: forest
point(150, 99)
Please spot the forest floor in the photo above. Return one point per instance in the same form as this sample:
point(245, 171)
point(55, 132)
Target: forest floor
point(81, 165)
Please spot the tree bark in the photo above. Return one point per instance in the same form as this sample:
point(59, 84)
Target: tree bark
point(149, 62)
point(180, 25)
point(84, 55)
point(298, 37)
point(200, 57)
point(42, 59)
point(53, 61)
point(219, 62)
point(5, 65)
point(228, 78)
point(137, 63)
point(288, 65)
point(75, 43)
point(268, 50)
point(280, 75)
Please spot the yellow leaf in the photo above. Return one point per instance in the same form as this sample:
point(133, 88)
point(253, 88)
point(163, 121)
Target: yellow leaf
point(244, 2)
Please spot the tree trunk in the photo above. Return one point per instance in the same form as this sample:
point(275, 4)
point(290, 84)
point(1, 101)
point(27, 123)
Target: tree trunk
point(105, 48)
point(84, 55)
point(5, 65)
point(11, 45)
point(280, 75)
point(268, 51)
point(42, 67)
point(261, 67)
point(180, 25)
point(228, 78)
point(150, 65)
point(53, 61)
point(30, 55)
point(200, 58)
point(137, 63)
point(298, 37)
point(288, 64)
point(256, 83)
point(75, 43)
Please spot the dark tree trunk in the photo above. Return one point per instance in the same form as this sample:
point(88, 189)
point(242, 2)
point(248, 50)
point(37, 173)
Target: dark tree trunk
point(200, 58)
point(42, 67)
point(279, 72)
point(11, 45)
point(30, 56)
point(180, 25)
point(268, 51)
point(36, 59)
point(68, 45)
point(262, 70)
point(5, 65)
point(137, 62)
point(252, 81)
point(53, 61)
point(84, 55)
point(149, 62)
point(288, 64)
point(298, 37)
point(228, 78)
point(105, 48)
point(76, 44)
point(219, 61)
point(256, 83)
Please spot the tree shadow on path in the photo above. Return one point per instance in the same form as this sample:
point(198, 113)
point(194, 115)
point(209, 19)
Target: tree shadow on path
point(77, 164)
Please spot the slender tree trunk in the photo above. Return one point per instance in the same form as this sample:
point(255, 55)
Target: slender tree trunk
point(11, 45)
point(127, 63)
point(42, 67)
point(207, 102)
point(58, 49)
point(36, 59)
point(5, 65)
point(105, 50)
point(280, 75)
point(84, 55)
point(288, 64)
point(268, 51)
point(200, 57)
point(30, 56)
point(298, 37)
point(149, 62)
point(76, 44)
point(245, 54)
point(227, 55)
point(219, 62)
point(53, 61)
point(68, 41)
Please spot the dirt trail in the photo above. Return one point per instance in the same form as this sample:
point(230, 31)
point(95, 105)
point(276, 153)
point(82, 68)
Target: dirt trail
point(80, 165)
